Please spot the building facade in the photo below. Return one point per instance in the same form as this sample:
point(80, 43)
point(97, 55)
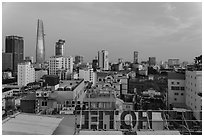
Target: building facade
point(39, 73)
point(7, 61)
point(59, 48)
point(176, 89)
point(135, 57)
point(79, 59)
point(152, 61)
point(15, 45)
point(88, 75)
point(193, 91)
point(57, 63)
point(103, 61)
point(26, 74)
point(40, 44)
point(173, 62)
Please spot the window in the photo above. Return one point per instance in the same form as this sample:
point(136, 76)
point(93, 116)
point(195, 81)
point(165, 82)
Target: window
point(94, 119)
point(182, 88)
point(176, 94)
point(175, 99)
point(178, 83)
point(181, 94)
point(172, 83)
point(44, 103)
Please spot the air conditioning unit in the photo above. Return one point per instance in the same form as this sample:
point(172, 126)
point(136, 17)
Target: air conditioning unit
point(38, 94)
point(45, 94)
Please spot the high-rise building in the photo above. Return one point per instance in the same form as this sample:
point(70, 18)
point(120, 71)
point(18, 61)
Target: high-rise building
point(135, 57)
point(194, 92)
point(79, 59)
point(26, 73)
point(7, 61)
point(15, 45)
point(152, 61)
point(103, 61)
point(59, 63)
point(59, 48)
point(40, 45)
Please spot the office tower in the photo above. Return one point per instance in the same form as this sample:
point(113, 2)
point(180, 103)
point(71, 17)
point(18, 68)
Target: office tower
point(152, 61)
point(7, 61)
point(15, 45)
point(79, 59)
point(59, 63)
point(59, 48)
point(26, 73)
point(40, 45)
point(135, 58)
point(103, 61)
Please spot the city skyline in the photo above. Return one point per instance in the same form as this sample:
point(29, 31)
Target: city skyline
point(161, 30)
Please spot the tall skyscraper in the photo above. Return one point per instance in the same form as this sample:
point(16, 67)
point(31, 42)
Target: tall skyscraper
point(15, 45)
point(135, 57)
point(103, 61)
point(40, 45)
point(59, 48)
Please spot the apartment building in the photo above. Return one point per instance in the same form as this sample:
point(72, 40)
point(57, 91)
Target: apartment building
point(193, 87)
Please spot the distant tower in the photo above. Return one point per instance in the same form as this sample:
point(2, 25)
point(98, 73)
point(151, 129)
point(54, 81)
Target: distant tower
point(135, 59)
point(59, 48)
point(103, 61)
point(40, 45)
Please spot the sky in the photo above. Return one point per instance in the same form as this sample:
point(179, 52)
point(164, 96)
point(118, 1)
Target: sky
point(154, 29)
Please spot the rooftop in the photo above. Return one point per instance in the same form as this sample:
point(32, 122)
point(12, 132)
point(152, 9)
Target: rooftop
point(29, 124)
point(162, 132)
point(174, 75)
point(100, 132)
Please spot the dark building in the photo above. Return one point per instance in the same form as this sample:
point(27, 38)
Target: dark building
point(79, 59)
point(59, 48)
point(51, 80)
point(15, 45)
point(40, 44)
point(135, 57)
point(28, 103)
point(94, 64)
point(7, 61)
point(152, 61)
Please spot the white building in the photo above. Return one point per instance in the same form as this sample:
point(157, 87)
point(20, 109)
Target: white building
point(57, 63)
point(193, 88)
point(176, 89)
point(26, 73)
point(39, 73)
point(87, 74)
point(103, 61)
